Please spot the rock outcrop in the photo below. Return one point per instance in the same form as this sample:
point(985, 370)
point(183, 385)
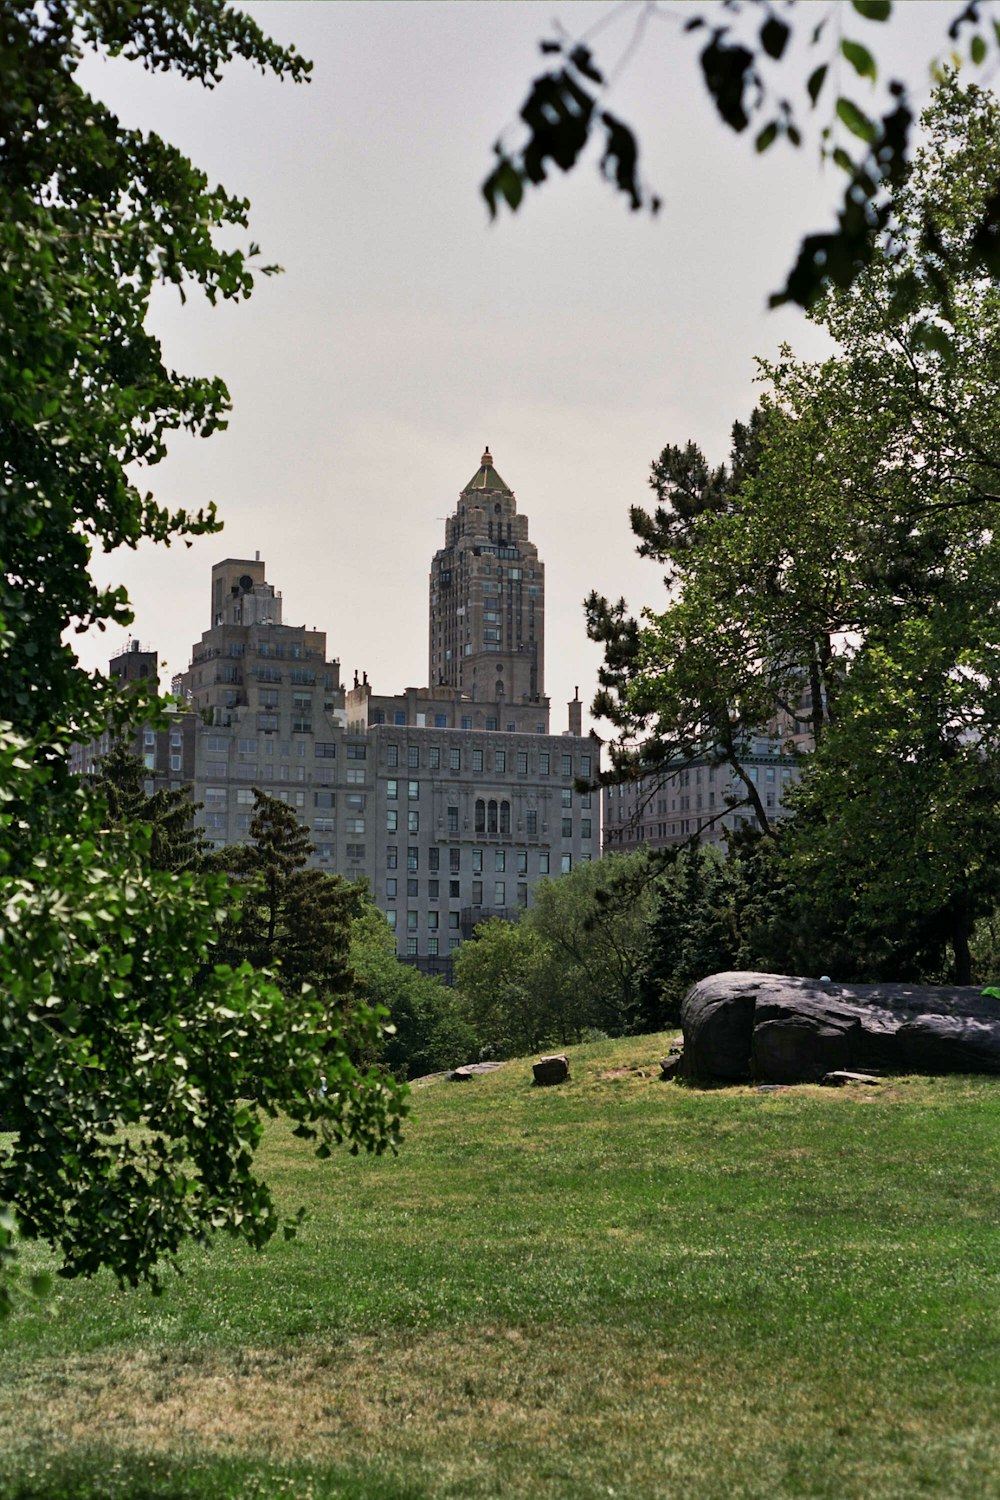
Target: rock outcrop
point(776, 1028)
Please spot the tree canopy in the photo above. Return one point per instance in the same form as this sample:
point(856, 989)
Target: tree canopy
point(856, 563)
point(127, 1048)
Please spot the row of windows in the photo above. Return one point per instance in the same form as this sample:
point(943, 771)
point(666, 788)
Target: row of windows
point(477, 760)
point(455, 860)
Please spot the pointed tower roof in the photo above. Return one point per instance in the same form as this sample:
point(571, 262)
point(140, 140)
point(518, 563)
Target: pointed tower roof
point(486, 477)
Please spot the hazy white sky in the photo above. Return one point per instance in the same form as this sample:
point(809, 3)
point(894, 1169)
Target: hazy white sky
point(407, 332)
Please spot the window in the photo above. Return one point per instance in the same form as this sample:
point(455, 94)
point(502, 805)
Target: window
point(505, 817)
point(565, 863)
point(351, 825)
point(585, 765)
point(522, 763)
point(378, 717)
point(412, 858)
point(413, 886)
point(391, 856)
point(325, 799)
point(412, 790)
point(453, 919)
point(357, 752)
point(567, 765)
point(454, 760)
point(392, 821)
point(412, 918)
point(215, 768)
point(244, 797)
point(325, 750)
point(477, 893)
point(411, 946)
point(433, 890)
point(215, 744)
point(454, 890)
point(567, 828)
point(477, 861)
point(440, 721)
point(477, 760)
point(399, 717)
point(175, 739)
point(454, 861)
point(543, 862)
point(434, 859)
point(149, 738)
point(466, 720)
point(413, 756)
point(499, 892)
point(355, 851)
point(522, 894)
point(567, 796)
point(500, 760)
point(432, 947)
point(500, 860)
point(491, 723)
point(434, 758)
point(413, 822)
point(532, 822)
point(355, 775)
point(215, 796)
point(522, 861)
point(390, 918)
point(300, 801)
point(585, 828)
point(175, 763)
point(355, 801)
point(392, 755)
point(390, 888)
point(543, 762)
point(452, 819)
point(323, 825)
point(432, 921)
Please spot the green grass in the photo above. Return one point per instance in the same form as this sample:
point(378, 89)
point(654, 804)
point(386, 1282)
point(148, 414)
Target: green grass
point(614, 1287)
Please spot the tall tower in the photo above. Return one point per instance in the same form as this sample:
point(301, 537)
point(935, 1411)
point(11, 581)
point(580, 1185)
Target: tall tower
point(487, 599)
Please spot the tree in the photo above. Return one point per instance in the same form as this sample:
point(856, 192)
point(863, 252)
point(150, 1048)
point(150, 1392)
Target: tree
point(430, 1030)
point(293, 921)
point(860, 559)
point(174, 842)
point(571, 964)
point(126, 1047)
point(745, 58)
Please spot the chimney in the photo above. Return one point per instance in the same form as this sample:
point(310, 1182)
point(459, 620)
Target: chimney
point(576, 714)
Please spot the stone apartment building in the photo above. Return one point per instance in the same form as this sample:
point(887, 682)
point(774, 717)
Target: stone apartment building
point(659, 810)
point(453, 800)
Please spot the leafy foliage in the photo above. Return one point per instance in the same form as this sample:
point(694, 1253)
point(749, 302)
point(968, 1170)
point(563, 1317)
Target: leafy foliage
point(848, 580)
point(570, 965)
point(744, 46)
point(126, 1049)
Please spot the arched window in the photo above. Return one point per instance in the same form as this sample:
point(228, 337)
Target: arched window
point(480, 815)
point(505, 817)
point(491, 817)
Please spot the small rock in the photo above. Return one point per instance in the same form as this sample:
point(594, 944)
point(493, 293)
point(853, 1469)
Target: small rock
point(553, 1069)
point(672, 1066)
point(840, 1076)
point(472, 1070)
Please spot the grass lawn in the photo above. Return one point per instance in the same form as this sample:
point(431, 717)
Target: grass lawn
point(616, 1287)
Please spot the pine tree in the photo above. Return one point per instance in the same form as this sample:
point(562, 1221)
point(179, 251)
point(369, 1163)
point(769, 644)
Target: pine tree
point(175, 843)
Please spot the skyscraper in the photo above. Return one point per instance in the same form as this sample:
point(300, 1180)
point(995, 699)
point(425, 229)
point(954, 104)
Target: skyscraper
point(487, 601)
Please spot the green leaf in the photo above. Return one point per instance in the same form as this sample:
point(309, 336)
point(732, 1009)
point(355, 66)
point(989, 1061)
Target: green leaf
point(816, 80)
point(856, 120)
point(766, 136)
point(873, 10)
point(977, 50)
point(774, 36)
point(859, 58)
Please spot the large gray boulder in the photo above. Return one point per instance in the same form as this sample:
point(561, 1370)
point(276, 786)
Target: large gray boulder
point(780, 1029)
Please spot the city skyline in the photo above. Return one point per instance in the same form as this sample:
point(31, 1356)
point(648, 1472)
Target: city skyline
point(407, 333)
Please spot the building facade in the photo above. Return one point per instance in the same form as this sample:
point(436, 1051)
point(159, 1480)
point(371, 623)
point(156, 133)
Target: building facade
point(452, 800)
point(701, 799)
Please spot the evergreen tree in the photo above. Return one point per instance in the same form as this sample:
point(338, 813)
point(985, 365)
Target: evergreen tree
point(174, 842)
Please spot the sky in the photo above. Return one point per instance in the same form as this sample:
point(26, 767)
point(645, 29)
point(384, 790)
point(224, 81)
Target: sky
point(407, 332)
